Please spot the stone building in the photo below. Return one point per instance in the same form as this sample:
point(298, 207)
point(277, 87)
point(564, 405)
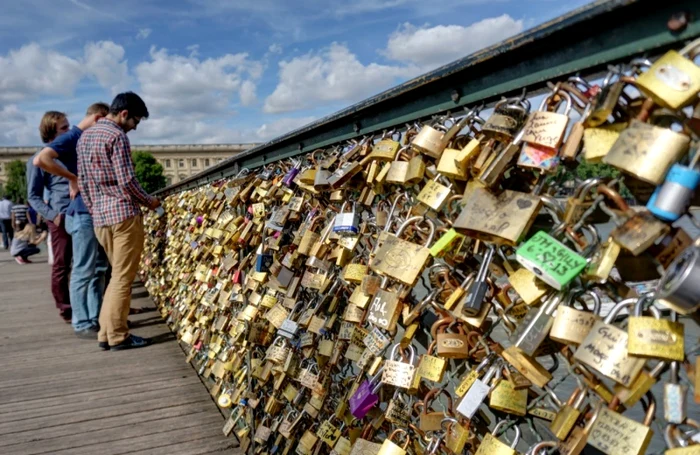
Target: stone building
point(178, 161)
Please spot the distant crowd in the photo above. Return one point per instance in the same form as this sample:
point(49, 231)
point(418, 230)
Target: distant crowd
point(82, 194)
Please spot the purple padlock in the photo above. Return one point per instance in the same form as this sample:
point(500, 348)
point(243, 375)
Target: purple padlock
point(291, 175)
point(365, 397)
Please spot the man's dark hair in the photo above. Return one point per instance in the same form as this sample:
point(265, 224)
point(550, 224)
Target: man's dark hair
point(131, 102)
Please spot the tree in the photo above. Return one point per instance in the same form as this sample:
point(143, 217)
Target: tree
point(149, 172)
point(16, 186)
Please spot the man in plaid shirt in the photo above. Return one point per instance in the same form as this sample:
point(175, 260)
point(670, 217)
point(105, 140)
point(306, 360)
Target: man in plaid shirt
point(113, 196)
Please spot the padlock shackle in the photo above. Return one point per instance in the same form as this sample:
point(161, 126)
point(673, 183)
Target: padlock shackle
point(500, 424)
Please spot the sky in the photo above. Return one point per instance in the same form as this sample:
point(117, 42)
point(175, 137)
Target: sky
point(232, 71)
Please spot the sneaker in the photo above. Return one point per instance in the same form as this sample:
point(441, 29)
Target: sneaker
point(28, 261)
point(20, 260)
point(132, 341)
point(86, 334)
point(103, 345)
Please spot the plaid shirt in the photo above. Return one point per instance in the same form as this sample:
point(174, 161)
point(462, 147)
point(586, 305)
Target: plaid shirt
point(106, 175)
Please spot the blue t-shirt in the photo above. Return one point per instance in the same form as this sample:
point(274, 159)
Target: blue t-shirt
point(66, 146)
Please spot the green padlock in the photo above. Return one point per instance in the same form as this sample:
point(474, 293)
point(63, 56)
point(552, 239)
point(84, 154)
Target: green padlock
point(550, 260)
point(446, 243)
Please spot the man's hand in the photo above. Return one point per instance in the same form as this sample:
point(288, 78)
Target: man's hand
point(73, 188)
point(57, 220)
point(155, 203)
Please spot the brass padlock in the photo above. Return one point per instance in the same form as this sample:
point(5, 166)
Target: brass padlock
point(605, 349)
point(450, 345)
point(674, 79)
point(654, 337)
point(647, 151)
point(571, 326)
point(502, 219)
point(400, 259)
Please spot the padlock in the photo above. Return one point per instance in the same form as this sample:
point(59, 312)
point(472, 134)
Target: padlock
point(679, 287)
point(400, 259)
point(343, 174)
point(432, 142)
point(639, 230)
point(651, 336)
point(550, 260)
point(629, 396)
point(479, 287)
point(450, 345)
point(675, 398)
point(397, 373)
point(431, 367)
point(605, 349)
point(456, 434)
point(310, 237)
point(263, 261)
point(508, 117)
point(671, 199)
point(506, 398)
point(615, 434)
point(544, 128)
point(568, 414)
point(432, 420)
point(582, 201)
point(291, 174)
point(490, 445)
point(434, 194)
point(571, 326)
point(347, 223)
point(503, 219)
point(479, 390)
point(607, 101)
point(535, 326)
point(389, 447)
point(674, 79)
point(647, 151)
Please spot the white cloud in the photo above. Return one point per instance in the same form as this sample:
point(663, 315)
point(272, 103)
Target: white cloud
point(143, 33)
point(282, 126)
point(15, 127)
point(275, 48)
point(32, 71)
point(105, 61)
point(186, 84)
point(334, 74)
point(247, 93)
point(430, 47)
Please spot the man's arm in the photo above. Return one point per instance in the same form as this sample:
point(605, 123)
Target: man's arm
point(126, 177)
point(45, 160)
point(35, 193)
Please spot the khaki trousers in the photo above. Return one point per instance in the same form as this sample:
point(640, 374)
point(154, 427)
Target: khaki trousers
point(123, 244)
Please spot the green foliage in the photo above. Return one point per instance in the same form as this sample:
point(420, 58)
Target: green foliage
point(16, 186)
point(148, 172)
point(585, 170)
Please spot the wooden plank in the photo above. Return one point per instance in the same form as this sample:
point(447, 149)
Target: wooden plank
point(60, 394)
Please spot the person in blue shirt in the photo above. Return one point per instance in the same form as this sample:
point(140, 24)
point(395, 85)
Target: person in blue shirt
point(90, 265)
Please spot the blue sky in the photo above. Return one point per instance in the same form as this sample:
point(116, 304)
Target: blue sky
point(222, 71)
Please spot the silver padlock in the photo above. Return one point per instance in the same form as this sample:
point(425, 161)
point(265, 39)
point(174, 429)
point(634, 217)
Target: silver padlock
point(535, 326)
point(679, 287)
point(347, 223)
point(675, 398)
point(478, 392)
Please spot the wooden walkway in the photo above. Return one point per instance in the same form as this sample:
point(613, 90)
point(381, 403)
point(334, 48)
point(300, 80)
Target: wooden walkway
point(63, 395)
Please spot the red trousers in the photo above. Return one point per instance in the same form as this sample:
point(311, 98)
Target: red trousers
point(62, 257)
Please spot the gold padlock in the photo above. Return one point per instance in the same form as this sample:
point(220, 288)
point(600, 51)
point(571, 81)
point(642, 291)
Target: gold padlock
point(674, 79)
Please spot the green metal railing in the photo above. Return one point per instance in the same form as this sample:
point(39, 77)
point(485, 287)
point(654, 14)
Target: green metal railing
point(583, 41)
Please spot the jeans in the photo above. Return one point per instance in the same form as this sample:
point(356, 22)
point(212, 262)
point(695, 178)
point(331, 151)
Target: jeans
point(87, 282)
point(29, 251)
point(7, 232)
